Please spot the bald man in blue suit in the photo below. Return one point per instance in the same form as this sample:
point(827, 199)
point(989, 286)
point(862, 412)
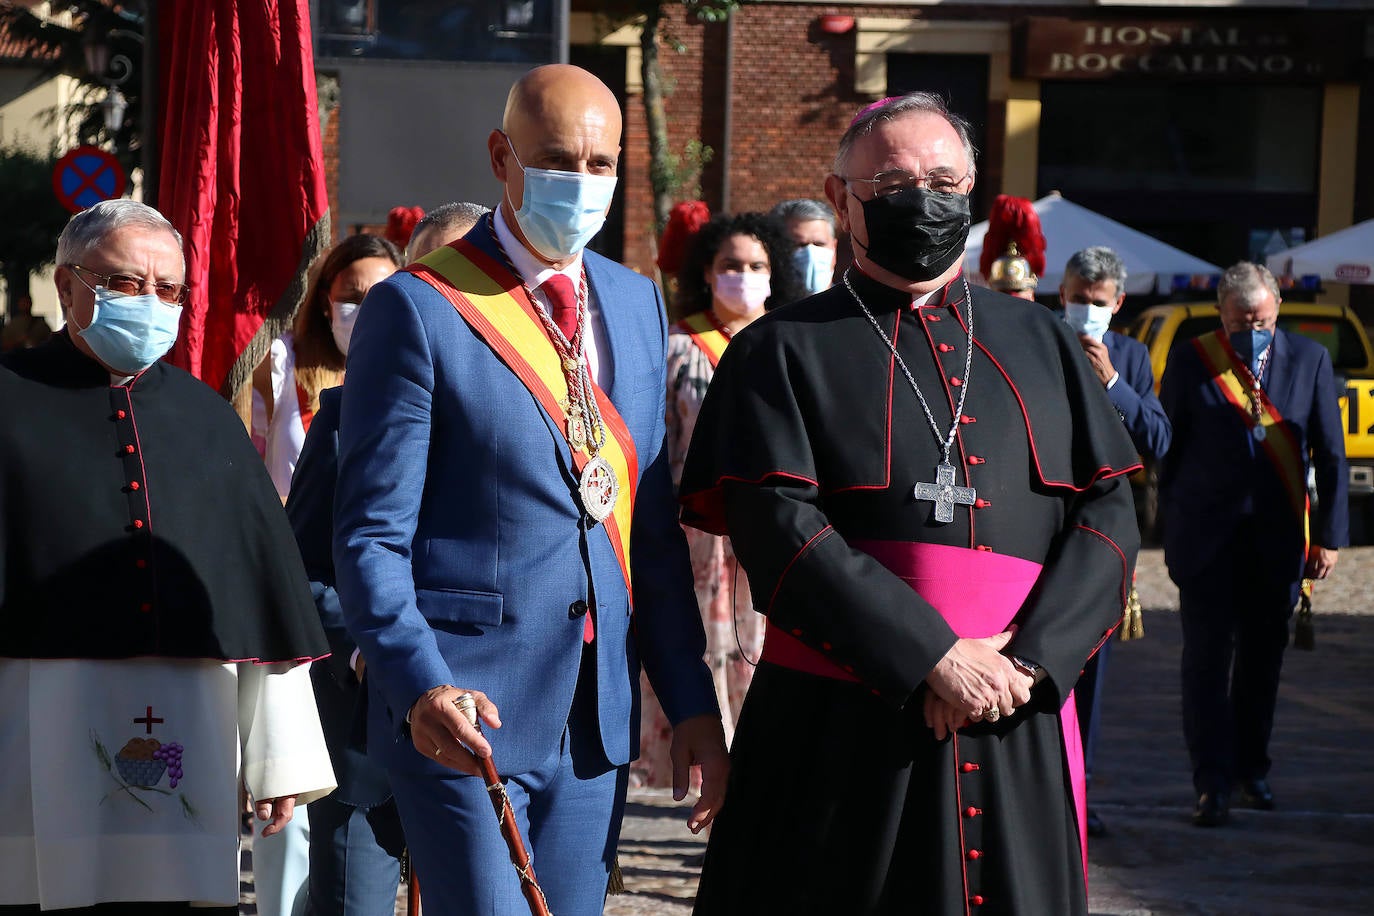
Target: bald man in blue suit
point(466, 562)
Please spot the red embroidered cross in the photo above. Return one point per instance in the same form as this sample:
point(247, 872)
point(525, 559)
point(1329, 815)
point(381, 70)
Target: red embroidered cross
point(148, 721)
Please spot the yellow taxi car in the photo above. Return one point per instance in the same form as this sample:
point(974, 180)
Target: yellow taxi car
point(1336, 327)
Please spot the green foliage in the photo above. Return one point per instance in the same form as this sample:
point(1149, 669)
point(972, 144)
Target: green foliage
point(33, 217)
point(712, 10)
point(680, 178)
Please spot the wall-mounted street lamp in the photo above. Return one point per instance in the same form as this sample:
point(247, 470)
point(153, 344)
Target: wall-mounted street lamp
point(113, 71)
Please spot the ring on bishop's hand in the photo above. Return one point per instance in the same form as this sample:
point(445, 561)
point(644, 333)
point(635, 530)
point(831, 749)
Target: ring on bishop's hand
point(993, 714)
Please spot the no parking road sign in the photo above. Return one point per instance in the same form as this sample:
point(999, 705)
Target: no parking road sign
point(87, 175)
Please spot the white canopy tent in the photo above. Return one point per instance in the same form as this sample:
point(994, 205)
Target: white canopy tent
point(1346, 256)
point(1150, 264)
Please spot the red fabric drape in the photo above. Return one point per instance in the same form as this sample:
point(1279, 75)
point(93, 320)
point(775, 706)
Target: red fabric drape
point(242, 169)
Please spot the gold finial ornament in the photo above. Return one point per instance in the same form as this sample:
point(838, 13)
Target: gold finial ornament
point(1012, 272)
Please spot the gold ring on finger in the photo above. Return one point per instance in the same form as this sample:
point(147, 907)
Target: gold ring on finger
point(993, 714)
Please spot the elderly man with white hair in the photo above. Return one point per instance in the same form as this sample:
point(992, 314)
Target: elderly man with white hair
point(157, 618)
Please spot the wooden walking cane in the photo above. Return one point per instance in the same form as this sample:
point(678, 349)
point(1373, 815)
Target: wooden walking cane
point(505, 815)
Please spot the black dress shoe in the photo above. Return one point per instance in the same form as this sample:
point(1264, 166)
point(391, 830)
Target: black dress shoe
point(1095, 825)
point(1255, 793)
point(1212, 810)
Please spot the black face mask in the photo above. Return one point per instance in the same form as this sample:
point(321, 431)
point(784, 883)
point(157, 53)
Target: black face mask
point(916, 234)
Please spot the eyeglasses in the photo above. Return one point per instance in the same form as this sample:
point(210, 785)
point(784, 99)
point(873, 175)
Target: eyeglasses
point(897, 181)
point(130, 285)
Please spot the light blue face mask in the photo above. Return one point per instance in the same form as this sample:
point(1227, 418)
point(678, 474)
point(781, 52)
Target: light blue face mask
point(1089, 319)
point(130, 333)
point(817, 265)
point(560, 212)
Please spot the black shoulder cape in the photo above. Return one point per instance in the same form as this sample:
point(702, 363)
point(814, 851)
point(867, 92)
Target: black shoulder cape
point(791, 382)
point(138, 520)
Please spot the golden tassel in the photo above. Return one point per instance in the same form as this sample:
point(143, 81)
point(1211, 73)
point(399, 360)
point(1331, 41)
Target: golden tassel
point(1305, 633)
point(616, 885)
point(1132, 623)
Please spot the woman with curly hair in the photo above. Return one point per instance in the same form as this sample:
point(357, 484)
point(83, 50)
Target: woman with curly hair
point(737, 267)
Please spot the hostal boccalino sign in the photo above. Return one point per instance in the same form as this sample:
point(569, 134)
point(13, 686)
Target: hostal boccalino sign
point(1068, 49)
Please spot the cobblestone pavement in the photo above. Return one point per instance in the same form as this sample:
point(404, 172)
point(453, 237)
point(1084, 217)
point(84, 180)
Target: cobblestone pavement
point(1311, 855)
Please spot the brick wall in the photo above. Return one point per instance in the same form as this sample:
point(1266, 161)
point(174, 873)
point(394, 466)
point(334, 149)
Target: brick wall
point(793, 95)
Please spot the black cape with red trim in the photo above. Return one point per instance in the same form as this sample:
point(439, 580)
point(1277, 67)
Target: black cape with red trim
point(840, 798)
point(138, 520)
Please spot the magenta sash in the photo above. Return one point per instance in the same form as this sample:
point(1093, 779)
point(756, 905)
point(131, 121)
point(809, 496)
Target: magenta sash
point(978, 593)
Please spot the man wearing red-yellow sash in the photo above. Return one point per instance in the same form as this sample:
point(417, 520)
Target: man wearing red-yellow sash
point(1252, 408)
point(506, 529)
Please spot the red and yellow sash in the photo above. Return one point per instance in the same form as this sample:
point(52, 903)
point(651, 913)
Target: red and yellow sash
point(495, 306)
point(706, 334)
point(1229, 373)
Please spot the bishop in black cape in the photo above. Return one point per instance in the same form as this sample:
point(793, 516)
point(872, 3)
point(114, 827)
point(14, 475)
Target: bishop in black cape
point(806, 453)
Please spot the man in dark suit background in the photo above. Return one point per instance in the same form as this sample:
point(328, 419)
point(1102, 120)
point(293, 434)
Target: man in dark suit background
point(1092, 292)
point(1253, 408)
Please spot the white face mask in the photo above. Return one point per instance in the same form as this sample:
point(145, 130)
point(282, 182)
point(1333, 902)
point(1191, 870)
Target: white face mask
point(342, 317)
point(1089, 319)
point(742, 293)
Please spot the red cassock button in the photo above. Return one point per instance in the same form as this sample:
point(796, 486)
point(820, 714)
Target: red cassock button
point(976, 900)
point(141, 564)
point(825, 646)
point(956, 381)
point(975, 854)
point(944, 347)
point(145, 607)
point(981, 503)
point(128, 449)
point(969, 767)
point(967, 419)
point(930, 316)
point(119, 414)
point(974, 459)
point(138, 523)
point(133, 485)
point(971, 811)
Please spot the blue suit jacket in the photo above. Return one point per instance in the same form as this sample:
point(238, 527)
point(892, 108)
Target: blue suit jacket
point(1215, 476)
point(459, 541)
point(342, 703)
point(1134, 397)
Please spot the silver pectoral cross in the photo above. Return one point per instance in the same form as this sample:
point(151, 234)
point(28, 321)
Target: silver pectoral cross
point(944, 493)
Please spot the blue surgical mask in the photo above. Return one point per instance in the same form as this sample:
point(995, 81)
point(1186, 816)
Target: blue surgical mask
point(1089, 319)
point(561, 211)
point(1250, 345)
point(817, 266)
point(130, 333)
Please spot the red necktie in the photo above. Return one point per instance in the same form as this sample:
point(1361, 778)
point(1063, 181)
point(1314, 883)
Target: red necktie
point(563, 301)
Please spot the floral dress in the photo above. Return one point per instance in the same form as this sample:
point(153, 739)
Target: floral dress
point(734, 630)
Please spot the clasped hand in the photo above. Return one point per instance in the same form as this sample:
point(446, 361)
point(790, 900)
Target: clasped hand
point(973, 677)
